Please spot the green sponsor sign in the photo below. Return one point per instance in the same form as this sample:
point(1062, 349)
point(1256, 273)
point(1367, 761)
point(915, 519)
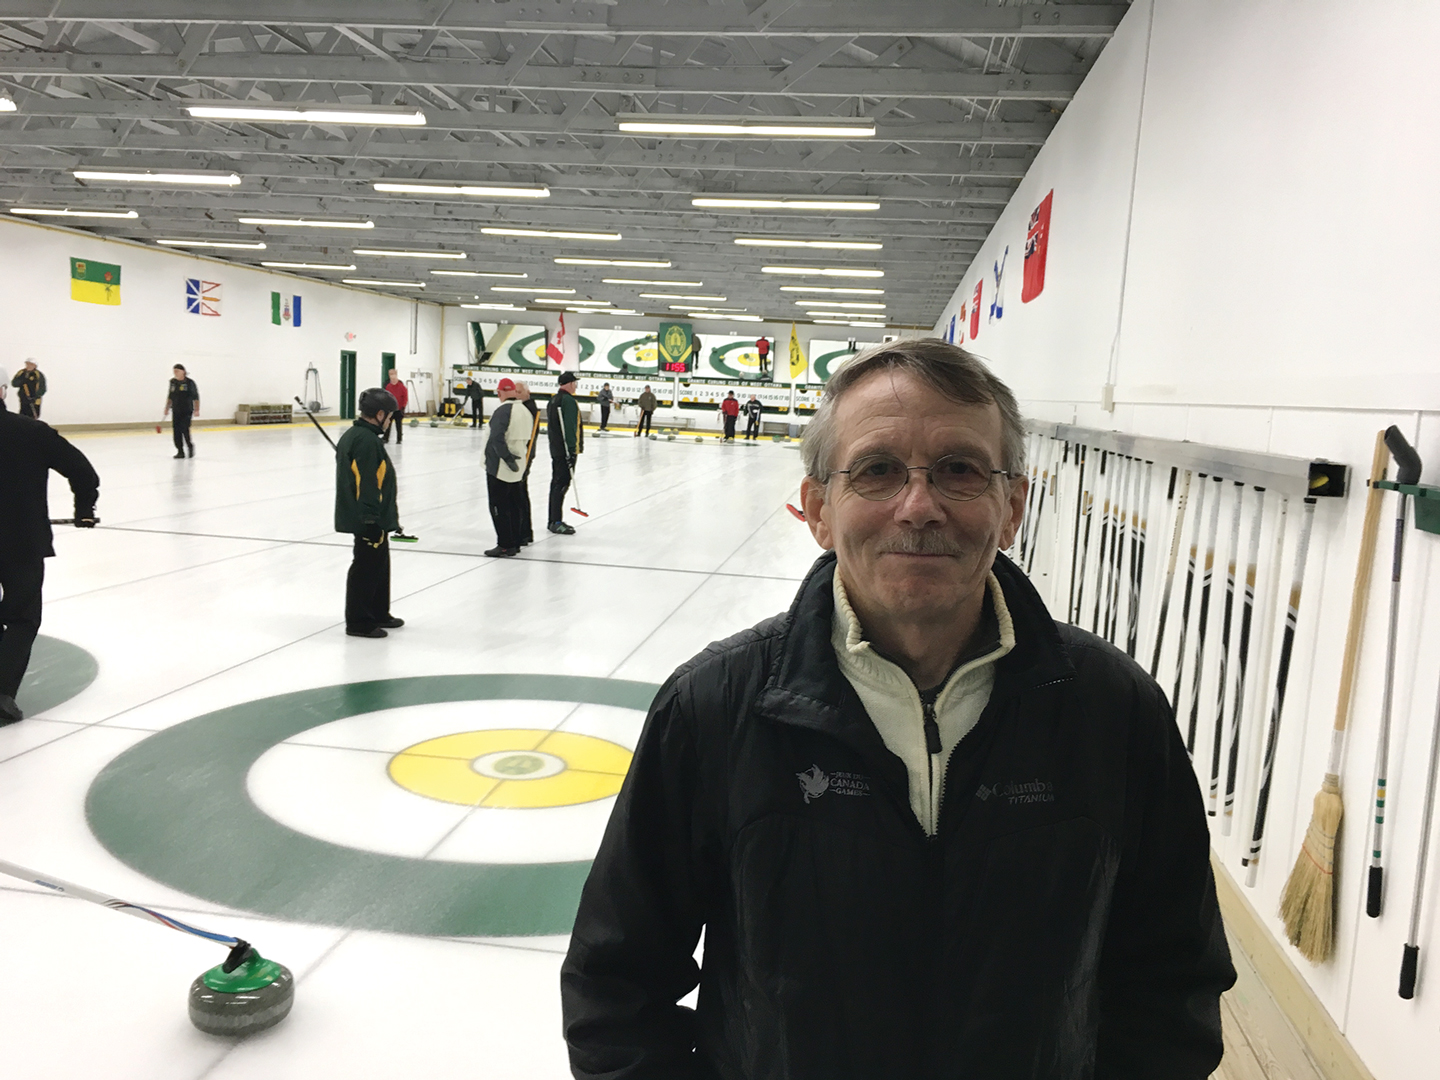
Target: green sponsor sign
point(676, 346)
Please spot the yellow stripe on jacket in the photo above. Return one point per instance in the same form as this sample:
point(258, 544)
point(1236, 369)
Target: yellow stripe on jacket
point(379, 480)
point(356, 470)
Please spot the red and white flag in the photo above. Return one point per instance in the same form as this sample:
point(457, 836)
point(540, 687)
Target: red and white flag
point(555, 350)
point(975, 311)
point(1037, 243)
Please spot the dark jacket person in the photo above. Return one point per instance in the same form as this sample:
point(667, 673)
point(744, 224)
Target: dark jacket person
point(29, 449)
point(926, 831)
point(365, 507)
point(567, 442)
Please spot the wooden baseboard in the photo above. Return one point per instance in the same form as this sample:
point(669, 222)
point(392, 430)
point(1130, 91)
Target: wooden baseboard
point(1323, 1040)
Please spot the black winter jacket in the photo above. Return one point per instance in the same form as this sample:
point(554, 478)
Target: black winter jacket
point(1062, 924)
point(29, 449)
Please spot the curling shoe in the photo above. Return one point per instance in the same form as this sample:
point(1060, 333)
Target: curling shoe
point(374, 631)
point(561, 529)
point(394, 622)
point(180, 455)
point(502, 552)
point(9, 711)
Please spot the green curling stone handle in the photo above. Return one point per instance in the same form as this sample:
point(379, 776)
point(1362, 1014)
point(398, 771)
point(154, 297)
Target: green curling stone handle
point(254, 972)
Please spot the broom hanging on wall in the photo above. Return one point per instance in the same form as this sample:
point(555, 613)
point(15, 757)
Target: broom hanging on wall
point(1307, 904)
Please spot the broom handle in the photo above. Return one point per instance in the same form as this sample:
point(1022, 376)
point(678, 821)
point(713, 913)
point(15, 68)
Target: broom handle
point(1359, 596)
point(66, 888)
point(1411, 961)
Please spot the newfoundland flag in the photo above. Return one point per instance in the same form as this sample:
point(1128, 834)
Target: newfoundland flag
point(1037, 243)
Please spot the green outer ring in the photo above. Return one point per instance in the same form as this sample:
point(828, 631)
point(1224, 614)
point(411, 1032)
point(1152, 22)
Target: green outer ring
point(616, 356)
point(517, 355)
point(175, 808)
point(720, 364)
point(823, 362)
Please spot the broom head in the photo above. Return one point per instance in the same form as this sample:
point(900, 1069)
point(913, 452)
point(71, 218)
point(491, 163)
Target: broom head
point(1308, 903)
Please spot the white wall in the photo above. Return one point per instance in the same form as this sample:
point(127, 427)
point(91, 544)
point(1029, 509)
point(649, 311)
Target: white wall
point(1280, 296)
point(111, 364)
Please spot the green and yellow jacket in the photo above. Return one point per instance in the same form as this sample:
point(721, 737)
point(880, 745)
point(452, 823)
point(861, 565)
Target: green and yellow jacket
point(364, 481)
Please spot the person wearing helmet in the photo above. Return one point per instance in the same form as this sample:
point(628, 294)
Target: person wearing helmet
point(365, 507)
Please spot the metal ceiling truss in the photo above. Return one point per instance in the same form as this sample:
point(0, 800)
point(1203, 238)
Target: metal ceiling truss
point(961, 94)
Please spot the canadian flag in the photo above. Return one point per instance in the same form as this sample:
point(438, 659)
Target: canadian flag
point(555, 350)
point(975, 311)
point(1037, 242)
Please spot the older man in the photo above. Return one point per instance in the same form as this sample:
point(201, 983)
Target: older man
point(927, 831)
point(508, 449)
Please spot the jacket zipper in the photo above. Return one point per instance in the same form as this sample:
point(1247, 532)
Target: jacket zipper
point(932, 751)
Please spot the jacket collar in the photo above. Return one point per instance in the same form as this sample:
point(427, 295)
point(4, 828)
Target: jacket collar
point(806, 688)
point(361, 422)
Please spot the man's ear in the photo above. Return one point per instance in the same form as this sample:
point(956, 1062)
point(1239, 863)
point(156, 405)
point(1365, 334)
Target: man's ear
point(812, 499)
point(1019, 488)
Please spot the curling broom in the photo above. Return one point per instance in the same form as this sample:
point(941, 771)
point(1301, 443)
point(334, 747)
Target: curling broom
point(1307, 903)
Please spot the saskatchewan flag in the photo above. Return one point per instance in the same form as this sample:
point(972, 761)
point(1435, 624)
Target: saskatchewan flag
point(94, 282)
point(797, 355)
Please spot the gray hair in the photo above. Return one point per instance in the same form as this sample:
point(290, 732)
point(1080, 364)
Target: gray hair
point(948, 369)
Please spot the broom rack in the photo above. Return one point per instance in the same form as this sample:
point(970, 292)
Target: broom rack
point(1280, 473)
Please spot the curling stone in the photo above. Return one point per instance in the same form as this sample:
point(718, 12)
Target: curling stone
point(652, 437)
point(699, 438)
point(434, 421)
point(414, 422)
point(245, 994)
point(670, 437)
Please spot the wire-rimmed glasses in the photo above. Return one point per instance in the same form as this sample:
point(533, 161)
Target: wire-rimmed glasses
point(878, 477)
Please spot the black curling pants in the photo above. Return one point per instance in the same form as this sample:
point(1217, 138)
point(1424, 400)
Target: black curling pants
point(397, 423)
point(21, 581)
point(752, 427)
point(604, 415)
point(506, 511)
point(644, 422)
point(367, 586)
point(729, 426)
point(559, 484)
point(180, 426)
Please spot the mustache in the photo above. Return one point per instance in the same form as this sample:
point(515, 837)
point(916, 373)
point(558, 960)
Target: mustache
point(921, 542)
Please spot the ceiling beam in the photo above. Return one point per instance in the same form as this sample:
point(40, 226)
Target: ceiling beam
point(373, 71)
point(888, 130)
point(569, 153)
point(804, 18)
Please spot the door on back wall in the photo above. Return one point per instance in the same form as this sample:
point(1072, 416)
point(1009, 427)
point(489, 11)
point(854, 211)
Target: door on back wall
point(347, 385)
point(387, 361)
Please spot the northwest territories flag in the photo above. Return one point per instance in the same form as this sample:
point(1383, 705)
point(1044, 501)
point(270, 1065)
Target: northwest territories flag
point(94, 282)
point(797, 355)
point(202, 297)
point(284, 309)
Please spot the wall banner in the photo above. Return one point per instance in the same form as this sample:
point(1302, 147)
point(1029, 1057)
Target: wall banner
point(676, 342)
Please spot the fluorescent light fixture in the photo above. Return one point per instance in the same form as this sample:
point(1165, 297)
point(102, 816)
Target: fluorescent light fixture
point(174, 179)
point(6, 105)
point(482, 191)
point(672, 296)
point(873, 325)
point(602, 311)
point(553, 234)
point(369, 116)
point(723, 318)
point(833, 245)
point(475, 273)
point(373, 281)
point(37, 211)
point(411, 254)
point(308, 223)
point(494, 307)
point(309, 266)
point(844, 315)
point(563, 300)
point(530, 289)
point(832, 291)
point(648, 281)
point(703, 307)
point(780, 202)
point(816, 127)
point(647, 264)
point(822, 271)
point(866, 305)
point(240, 244)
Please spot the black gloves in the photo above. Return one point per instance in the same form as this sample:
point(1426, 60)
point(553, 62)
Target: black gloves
point(373, 534)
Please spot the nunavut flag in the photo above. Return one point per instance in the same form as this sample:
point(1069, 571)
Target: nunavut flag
point(1037, 243)
point(797, 355)
point(94, 282)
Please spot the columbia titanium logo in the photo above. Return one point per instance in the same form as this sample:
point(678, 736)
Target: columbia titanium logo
point(1019, 792)
point(814, 782)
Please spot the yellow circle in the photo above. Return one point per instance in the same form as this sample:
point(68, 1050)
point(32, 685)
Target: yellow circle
point(444, 769)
